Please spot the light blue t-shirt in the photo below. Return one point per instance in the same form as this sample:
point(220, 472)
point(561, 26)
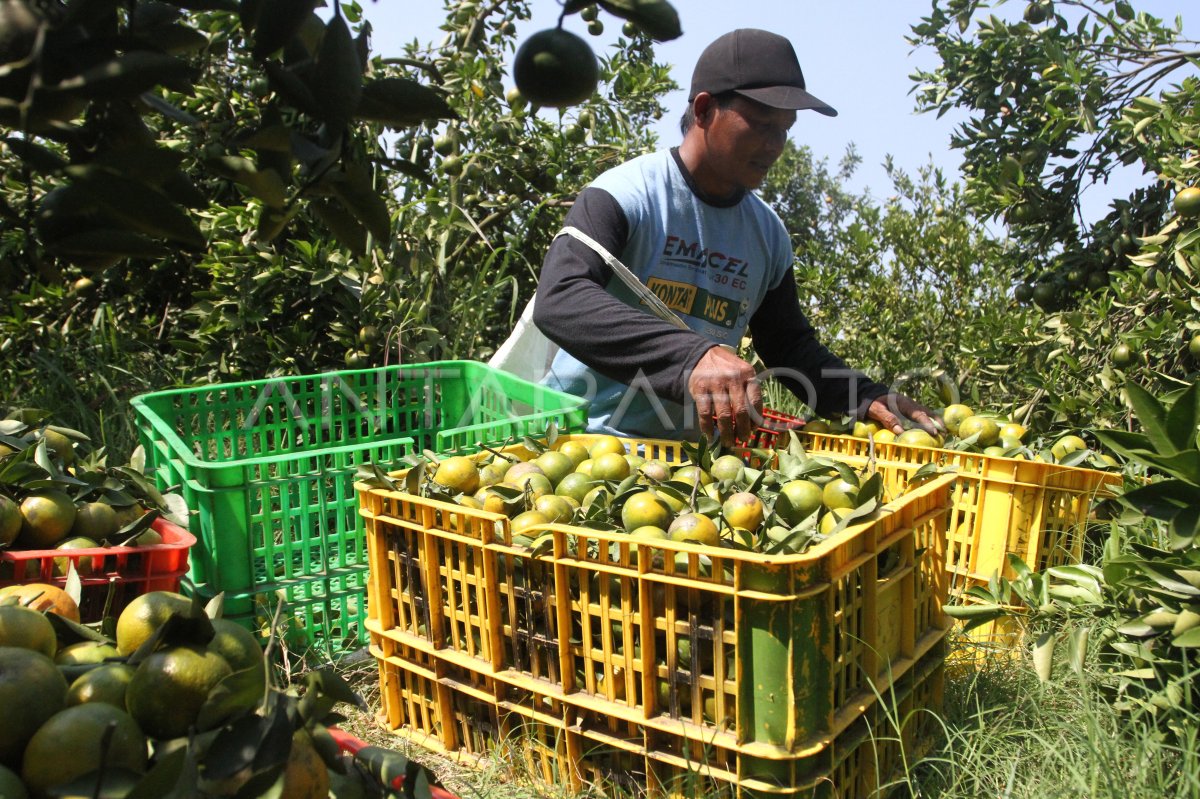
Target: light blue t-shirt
point(711, 265)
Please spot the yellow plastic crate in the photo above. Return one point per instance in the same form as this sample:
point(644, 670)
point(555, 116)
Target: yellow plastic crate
point(433, 702)
point(1037, 511)
point(758, 654)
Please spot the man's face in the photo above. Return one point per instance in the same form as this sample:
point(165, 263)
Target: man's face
point(745, 139)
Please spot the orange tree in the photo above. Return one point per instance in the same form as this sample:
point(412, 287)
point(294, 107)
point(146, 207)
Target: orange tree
point(212, 189)
point(909, 288)
point(1058, 96)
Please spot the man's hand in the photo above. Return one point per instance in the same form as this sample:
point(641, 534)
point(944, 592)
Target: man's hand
point(723, 385)
point(892, 409)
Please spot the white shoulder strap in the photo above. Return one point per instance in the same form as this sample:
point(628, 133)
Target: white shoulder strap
point(648, 297)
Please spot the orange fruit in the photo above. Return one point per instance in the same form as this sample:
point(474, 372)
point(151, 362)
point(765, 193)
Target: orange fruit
point(144, 615)
point(84, 566)
point(106, 683)
point(32, 689)
point(954, 415)
point(10, 521)
point(68, 746)
point(610, 466)
point(1187, 202)
point(797, 500)
point(555, 508)
point(727, 467)
point(555, 465)
point(695, 528)
point(85, 652)
point(97, 520)
point(170, 686)
point(604, 444)
point(305, 776)
point(577, 452)
point(27, 629)
point(458, 473)
point(645, 509)
point(47, 516)
point(43, 596)
point(917, 438)
point(555, 68)
point(839, 493)
point(743, 510)
point(987, 430)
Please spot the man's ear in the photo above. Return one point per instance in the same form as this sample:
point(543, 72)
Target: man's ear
point(703, 108)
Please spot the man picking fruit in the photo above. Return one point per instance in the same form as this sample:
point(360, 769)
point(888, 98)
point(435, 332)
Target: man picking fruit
point(687, 223)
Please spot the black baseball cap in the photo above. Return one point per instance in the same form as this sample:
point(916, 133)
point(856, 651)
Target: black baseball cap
point(756, 64)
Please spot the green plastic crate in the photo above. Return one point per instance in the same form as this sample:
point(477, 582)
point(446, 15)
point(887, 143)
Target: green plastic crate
point(267, 466)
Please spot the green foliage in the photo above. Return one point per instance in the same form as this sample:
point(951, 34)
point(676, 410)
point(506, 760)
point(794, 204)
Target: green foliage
point(1057, 101)
point(905, 288)
point(287, 214)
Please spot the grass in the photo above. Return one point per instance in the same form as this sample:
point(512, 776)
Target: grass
point(1004, 735)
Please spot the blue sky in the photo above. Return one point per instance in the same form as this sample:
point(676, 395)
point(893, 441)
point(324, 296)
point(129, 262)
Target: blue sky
point(853, 53)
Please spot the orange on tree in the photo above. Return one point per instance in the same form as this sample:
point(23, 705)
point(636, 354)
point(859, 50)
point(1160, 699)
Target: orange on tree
point(170, 686)
point(26, 676)
point(1187, 202)
point(144, 615)
point(555, 68)
point(27, 629)
point(44, 596)
point(70, 745)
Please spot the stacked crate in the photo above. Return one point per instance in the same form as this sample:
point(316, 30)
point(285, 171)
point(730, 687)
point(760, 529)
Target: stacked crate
point(682, 667)
point(267, 469)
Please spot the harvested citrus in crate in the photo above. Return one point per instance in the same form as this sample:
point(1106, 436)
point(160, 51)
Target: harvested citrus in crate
point(110, 577)
point(1035, 510)
point(435, 702)
point(779, 638)
point(267, 467)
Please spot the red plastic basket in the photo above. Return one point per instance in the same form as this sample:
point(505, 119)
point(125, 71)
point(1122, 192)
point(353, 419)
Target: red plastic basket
point(127, 572)
point(773, 423)
point(351, 745)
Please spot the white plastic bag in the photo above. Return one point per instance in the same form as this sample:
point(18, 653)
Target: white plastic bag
point(526, 353)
